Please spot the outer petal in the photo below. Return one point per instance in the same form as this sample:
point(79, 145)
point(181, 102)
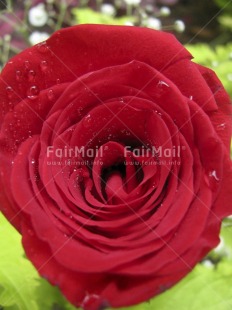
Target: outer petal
point(53, 64)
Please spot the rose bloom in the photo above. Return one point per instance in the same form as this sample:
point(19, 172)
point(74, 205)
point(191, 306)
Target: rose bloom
point(115, 162)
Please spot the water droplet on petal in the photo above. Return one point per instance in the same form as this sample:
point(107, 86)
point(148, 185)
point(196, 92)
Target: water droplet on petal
point(87, 121)
point(213, 174)
point(33, 92)
point(212, 180)
point(159, 113)
point(106, 148)
point(19, 75)
point(92, 301)
point(44, 65)
point(31, 75)
point(57, 81)
point(154, 185)
point(10, 92)
point(51, 94)
point(110, 137)
point(221, 126)
point(11, 106)
point(162, 83)
point(42, 47)
point(80, 111)
point(26, 64)
point(79, 178)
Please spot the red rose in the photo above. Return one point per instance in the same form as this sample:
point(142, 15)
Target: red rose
point(114, 161)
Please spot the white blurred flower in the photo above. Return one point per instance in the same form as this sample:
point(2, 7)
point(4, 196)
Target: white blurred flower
point(128, 23)
point(38, 16)
point(132, 2)
point(108, 9)
point(154, 23)
point(229, 77)
point(220, 249)
point(215, 63)
point(37, 37)
point(179, 26)
point(208, 264)
point(165, 11)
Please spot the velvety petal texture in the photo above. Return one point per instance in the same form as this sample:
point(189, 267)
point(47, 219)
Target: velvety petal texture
point(115, 163)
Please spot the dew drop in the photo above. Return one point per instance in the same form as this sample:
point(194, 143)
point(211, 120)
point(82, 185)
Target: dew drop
point(42, 47)
point(80, 111)
point(87, 121)
point(79, 178)
point(43, 65)
point(19, 75)
point(92, 302)
point(213, 174)
point(110, 137)
point(33, 92)
point(31, 75)
point(51, 94)
point(221, 126)
point(106, 148)
point(26, 64)
point(10, 92)
point(39, 106)
point(159, 113)
point(162, 83)
point(57, 81)
point(36, 177)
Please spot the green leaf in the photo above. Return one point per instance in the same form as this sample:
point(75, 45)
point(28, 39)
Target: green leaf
point(88, 16)
point(21, 288)
point(218, 59)
point(204, 288)
point(226, 21)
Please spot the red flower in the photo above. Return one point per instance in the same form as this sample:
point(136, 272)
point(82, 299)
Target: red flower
point(114, 161)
